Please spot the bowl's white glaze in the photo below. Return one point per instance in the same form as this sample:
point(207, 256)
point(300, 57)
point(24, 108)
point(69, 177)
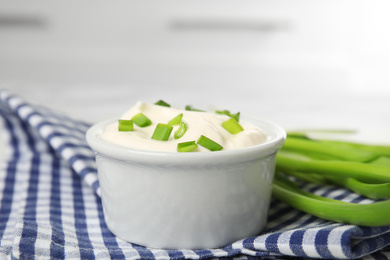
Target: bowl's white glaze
point(186, 200)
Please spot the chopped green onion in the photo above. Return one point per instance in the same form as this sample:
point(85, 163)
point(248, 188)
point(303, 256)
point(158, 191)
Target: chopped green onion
point(125, 125)
point(186, 146)
point(141, 120)
point(181, 130)
point(232, 126)
point(227, 112)
point(162, 132)
point(190, 108)
point(209, 144)
point(176, 120)
point(162, 103)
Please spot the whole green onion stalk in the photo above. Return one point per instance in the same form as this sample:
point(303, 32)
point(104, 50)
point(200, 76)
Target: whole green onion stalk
point(361, 168)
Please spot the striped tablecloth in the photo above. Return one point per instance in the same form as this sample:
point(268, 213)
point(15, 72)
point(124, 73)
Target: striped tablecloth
point(50, 204)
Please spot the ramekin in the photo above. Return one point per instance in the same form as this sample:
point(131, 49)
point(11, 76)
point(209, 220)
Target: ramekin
point(193, 200)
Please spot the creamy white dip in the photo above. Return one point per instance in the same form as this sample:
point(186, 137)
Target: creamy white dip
point(198, 123)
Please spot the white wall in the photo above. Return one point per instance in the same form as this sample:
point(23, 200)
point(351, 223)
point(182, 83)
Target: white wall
point(310, 57)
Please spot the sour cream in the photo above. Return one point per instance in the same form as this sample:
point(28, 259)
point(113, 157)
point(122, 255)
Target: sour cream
point(198, 123)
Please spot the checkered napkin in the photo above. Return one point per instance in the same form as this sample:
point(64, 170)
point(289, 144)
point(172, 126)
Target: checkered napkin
point(50, 204)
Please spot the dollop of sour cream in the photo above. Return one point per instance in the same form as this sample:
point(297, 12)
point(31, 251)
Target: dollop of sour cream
point(198, 123)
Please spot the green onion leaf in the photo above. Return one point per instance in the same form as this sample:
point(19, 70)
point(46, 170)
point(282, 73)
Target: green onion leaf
point(181, 130)
point(369, 190)
point(227, 112)
point(162, 103)
point(186, 146)
point(125, 125)
point(372, 214)
point(232, 126)
point(327, 150)
point(162, 132)
point(364, 172)
point(176, 120)
point(141, 120)
point(361, 168)
point(209, 144)
point(190, 108)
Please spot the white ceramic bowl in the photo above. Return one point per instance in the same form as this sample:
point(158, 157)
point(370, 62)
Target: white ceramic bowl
point(186, 200)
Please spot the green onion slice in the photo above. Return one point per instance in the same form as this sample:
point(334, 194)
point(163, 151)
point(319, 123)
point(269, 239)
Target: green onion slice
point(186, 146)
point(232, 126)
point(181, 130)
point(190, 108)
point(125, 125)
point(209, 144)
point(162, 103)
point(141, 120)
point(162, 132)
point(176, 120)
point(227, 112)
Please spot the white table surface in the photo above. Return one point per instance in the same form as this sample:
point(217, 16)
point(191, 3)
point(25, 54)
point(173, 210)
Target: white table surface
point(314, 109)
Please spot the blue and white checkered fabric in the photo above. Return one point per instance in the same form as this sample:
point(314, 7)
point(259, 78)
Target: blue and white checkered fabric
point(50, 204)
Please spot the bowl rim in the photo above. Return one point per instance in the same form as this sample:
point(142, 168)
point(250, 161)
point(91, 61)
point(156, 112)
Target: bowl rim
point(276, 136)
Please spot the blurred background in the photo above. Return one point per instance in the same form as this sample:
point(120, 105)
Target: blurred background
point(303, 64)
